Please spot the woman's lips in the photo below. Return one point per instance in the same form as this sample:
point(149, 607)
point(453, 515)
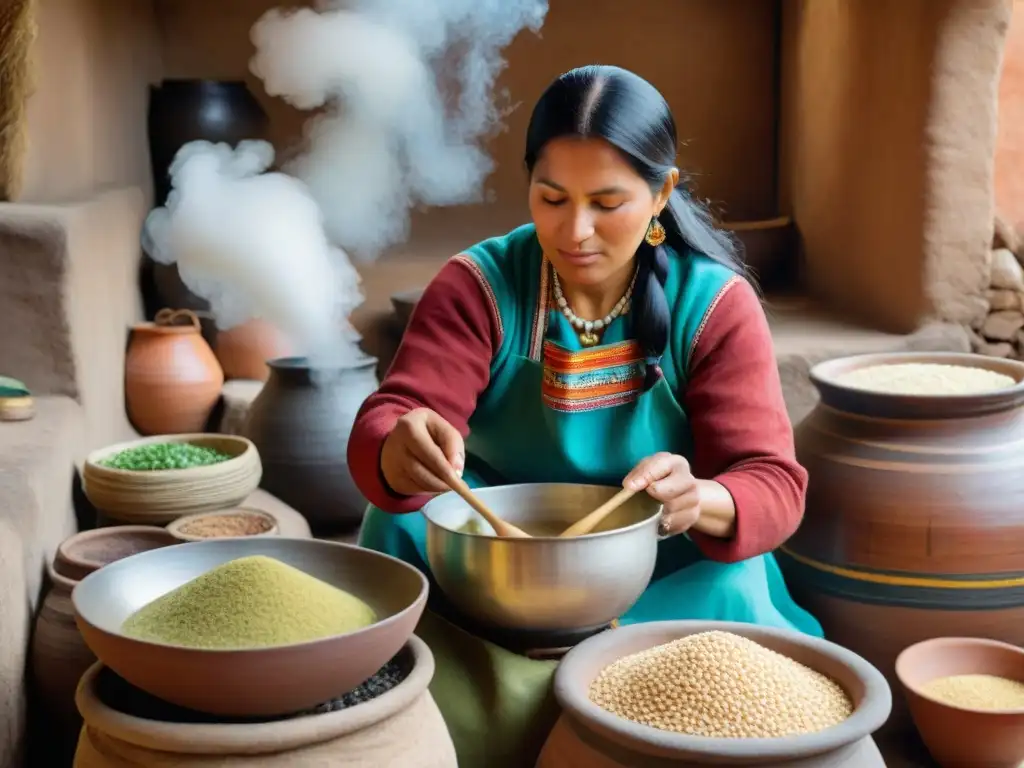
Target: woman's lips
point(579, 258)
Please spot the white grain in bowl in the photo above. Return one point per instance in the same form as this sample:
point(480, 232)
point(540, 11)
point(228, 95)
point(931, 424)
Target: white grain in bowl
point(925, 379)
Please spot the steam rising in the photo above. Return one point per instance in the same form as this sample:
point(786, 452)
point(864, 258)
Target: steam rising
point(387, 137)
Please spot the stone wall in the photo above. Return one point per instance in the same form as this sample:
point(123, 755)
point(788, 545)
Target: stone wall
point(1000, 332)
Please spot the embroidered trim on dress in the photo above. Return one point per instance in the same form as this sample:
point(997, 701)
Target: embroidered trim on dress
point(540, 317)
point(592, 378)
point(707, 316)
point(467, 261)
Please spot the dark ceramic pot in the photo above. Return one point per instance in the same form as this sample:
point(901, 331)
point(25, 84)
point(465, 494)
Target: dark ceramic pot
point(914, 526)
point(181, 111)
point(300, 423)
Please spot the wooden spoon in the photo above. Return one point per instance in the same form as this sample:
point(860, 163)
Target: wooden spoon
point(589, 522)
point(501, 527)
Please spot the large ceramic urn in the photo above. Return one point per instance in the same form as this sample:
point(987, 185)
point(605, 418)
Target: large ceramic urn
point(182, 111)
point(301, 422)
point(915, 513)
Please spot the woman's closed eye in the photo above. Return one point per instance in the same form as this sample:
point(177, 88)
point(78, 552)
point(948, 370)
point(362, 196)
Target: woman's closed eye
point(601, 206)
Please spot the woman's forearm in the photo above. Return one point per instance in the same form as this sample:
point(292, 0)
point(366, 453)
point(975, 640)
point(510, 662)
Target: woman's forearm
point(443, 363)
point(717, 510)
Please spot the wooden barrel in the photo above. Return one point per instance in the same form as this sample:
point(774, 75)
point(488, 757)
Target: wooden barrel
point(915, 513)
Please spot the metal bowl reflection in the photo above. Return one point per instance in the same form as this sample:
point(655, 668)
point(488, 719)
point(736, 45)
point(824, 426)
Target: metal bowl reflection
point(542, 584)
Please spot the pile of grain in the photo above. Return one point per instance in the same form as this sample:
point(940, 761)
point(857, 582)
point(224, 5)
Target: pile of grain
point(925, 379)
point(721, 685)
point(977, 692)
point(251, 602)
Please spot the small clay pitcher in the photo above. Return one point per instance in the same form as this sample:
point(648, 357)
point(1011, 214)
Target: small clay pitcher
point(172, 378)
point(243, 351)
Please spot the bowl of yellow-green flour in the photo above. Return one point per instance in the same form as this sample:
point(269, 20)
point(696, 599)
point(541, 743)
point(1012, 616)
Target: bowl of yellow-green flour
point(250, 627)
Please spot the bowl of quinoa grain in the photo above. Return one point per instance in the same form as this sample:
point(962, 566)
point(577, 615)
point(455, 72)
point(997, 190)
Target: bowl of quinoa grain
point(224, 524)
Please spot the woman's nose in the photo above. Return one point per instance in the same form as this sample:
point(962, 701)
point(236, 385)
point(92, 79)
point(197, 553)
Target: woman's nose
point(581, 225)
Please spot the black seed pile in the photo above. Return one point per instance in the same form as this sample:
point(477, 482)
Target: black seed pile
point(117, 693)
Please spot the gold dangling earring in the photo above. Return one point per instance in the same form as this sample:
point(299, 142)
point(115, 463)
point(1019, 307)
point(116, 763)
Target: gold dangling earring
point(655, 233)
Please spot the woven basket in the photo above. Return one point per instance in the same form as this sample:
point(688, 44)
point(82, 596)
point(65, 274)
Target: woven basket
point(157, 497)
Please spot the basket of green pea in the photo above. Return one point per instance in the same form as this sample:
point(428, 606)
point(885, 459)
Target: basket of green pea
point(158, 479)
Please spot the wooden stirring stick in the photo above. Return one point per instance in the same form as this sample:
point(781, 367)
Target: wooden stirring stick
point(588, 523)
point(501, 527)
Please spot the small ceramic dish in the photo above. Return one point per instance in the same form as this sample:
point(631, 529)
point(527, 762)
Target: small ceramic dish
point(958, 736)
point(88, 551)
point(225, 524)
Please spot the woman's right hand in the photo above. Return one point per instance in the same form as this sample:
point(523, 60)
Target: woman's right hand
point(421, 453)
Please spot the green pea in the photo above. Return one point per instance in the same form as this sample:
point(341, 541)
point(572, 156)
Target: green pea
point(161, 456)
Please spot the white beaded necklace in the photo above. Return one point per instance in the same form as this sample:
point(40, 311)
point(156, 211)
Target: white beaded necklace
point(590, 330)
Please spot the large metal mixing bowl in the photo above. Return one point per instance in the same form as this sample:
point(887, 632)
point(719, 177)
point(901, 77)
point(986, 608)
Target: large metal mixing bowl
point(542, 584)
point(261, 681)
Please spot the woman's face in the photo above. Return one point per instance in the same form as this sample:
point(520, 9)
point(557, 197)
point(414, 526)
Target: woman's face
point(591, 209)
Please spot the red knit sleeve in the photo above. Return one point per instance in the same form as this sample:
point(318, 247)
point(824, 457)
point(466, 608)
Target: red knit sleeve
point(443, 363)
point(741, 431)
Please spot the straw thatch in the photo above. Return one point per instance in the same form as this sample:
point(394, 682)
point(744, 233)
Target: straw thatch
point(17, 33)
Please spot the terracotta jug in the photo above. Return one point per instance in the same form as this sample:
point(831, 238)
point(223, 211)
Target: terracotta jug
point(402, 728)
point(172, 378)
point(914, 526)
point(243, 351)
point(300, 423)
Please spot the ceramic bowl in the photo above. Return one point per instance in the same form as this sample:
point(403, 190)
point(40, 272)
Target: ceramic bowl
point(957, 736)
point(88, 551)
point(848, 743)
point(258, 522)
point(160, 496)
point(253, 682)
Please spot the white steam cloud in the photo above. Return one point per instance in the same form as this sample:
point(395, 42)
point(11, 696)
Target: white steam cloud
point(405, 96)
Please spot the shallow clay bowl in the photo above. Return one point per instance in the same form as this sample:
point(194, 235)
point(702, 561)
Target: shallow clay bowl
point(267, 524)
point(862, 682)
point(160, 496)
point(88, 551)
point(254, 682)
point(958, 737)
point(825, 377)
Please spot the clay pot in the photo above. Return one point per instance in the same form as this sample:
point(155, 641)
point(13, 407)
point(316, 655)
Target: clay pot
point(243, 351)
point(59, 657)
point(172, 378)
point(956, 736)
point(300, 423)
point(915, 513)
point(182, 111)
point(59, 654)
point(401, 728)
point(770, 249)
point(587, 736)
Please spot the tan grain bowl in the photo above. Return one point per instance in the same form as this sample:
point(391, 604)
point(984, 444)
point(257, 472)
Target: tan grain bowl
point(157, 497)
point(177, 528)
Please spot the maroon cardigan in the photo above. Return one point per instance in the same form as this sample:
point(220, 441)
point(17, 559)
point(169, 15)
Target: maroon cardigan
point(741, 432)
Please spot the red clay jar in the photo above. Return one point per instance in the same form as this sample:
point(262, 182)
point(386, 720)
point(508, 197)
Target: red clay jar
point(243, 351)
point(914, 526)
point(172, 378)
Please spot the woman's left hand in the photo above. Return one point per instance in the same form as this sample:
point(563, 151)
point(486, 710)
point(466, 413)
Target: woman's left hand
point(666, 477)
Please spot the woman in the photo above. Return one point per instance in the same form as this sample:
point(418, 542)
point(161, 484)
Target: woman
point(613, 340)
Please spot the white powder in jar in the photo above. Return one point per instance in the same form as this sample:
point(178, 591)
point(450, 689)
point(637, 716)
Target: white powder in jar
point(925, 379)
